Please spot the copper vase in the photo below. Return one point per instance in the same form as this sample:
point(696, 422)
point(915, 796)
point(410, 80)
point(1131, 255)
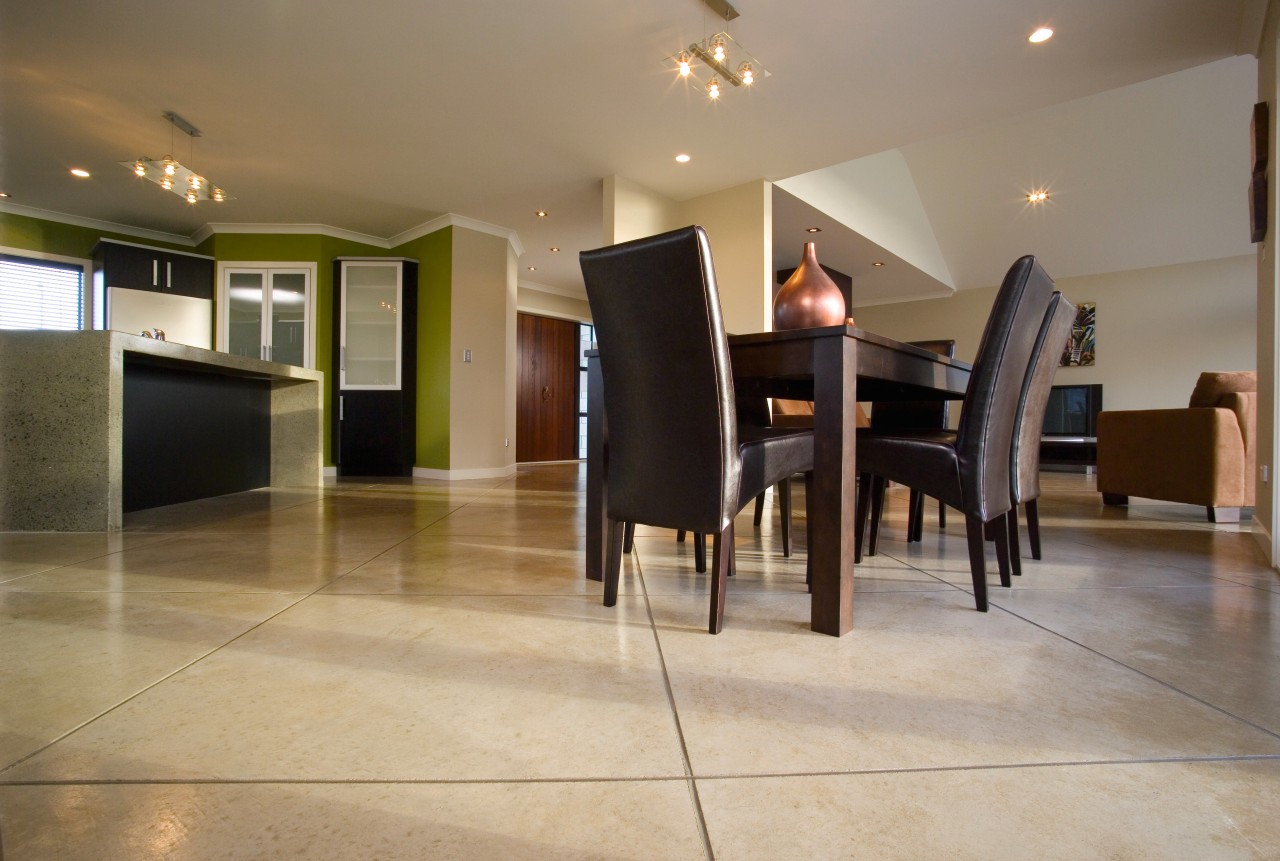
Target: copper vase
point(809, 298)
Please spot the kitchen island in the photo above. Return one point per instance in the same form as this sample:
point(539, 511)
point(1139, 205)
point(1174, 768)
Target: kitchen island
point(95, 424)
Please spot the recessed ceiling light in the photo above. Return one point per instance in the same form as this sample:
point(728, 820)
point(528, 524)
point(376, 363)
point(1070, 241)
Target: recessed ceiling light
point(813, 230)
point(4, 194)
point(541, 213)
point(1041, 35)
point(682, 157)
point(79, 171)
point(555, 248)
point(878, 263)
point(1037, 196)
point(533, 268)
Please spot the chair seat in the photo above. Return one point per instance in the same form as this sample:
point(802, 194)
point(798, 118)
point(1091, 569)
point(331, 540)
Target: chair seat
point(770, 454)
point(925, 460)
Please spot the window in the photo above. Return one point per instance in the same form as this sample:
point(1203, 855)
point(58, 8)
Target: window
point(586, 341)
point(41, 294)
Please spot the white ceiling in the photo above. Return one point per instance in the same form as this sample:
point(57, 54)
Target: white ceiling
point(376, 118)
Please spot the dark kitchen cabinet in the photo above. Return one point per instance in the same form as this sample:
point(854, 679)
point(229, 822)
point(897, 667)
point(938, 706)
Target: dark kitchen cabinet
point(140, 267)
point(375, 369)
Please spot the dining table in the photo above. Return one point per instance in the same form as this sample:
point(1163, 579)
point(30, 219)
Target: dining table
point(835, 367)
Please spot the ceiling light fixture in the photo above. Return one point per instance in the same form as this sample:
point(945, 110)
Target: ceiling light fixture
point(80, 172)
point(533, 268)
point(1037, 196)
point(555, 248)
point(1044, 34)
point(541, 213)
point(171, 175)
point(813, 230)
point(4, 194)
point(728, 61)
point(683, 158)
point(878, 263)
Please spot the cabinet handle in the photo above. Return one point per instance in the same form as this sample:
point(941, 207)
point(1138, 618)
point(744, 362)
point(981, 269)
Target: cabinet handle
point(168, 275)
point(155, 273)
point(342, 359)
point(341, 404)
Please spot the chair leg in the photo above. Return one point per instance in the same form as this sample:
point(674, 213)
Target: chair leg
point(878, 484)
point(860, 511)
point(699, 552)
point(680, 535)
point(977, 560)
point(1033, 527)
point(783, 491)
point(759, 509)
point(613, 565)
point(915, 516)
point(629, 537)
point(942, 515)
point(721, 560)
point(1015, 551)
point(808, 531)
point(1000, 534)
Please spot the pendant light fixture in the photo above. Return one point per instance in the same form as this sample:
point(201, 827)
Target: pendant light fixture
point(172, 175)
point(728, 61)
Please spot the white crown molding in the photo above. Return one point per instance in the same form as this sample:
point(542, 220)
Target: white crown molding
point(293, 230)
point(914, 297)
point(95, 224)
point(207, 230)
point(550, 288)
point(451, 220)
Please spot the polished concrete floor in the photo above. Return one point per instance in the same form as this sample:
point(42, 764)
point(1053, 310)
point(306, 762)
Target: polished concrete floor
point(419, 671)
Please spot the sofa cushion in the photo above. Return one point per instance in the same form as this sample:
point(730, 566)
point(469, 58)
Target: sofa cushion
point(1212, 385)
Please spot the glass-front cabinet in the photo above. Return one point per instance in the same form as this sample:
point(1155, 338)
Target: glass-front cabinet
point(266, 313)
point(369, 331)
point(374, 376)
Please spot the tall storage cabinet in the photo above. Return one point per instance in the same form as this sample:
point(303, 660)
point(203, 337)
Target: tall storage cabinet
point(375, 336)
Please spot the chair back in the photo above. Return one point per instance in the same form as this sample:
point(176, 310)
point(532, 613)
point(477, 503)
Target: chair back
point(984, 438)
point(1024, 462)
point(672, 456)
point(916, 415)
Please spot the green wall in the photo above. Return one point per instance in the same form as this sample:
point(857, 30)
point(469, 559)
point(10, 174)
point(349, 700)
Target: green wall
point(68, 240)
point(432, 251)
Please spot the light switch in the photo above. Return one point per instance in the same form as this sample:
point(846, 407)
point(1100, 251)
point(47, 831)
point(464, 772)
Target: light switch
point(466, 355)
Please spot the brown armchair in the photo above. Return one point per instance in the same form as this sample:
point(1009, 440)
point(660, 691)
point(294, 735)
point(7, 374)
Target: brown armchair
point(1201, 455)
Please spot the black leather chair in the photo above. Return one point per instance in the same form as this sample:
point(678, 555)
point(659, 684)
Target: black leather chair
point(677, 457)
point(1024, 461)
point(969, 469)
point(902, 416)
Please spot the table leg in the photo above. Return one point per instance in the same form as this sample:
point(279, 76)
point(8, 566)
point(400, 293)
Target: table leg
point(834, 479)
point(597, 499)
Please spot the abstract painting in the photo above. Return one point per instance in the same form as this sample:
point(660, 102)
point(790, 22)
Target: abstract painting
point(1080, 346)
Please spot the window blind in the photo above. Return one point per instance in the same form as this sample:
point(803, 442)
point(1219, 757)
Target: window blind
point(37, 294)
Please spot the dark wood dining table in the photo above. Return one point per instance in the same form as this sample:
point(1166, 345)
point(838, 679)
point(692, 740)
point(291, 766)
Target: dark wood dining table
point(834, 367)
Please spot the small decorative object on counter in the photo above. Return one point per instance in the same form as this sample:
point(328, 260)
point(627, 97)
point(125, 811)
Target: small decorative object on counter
point(809, 298)
point(158, 334)
point(144, 333)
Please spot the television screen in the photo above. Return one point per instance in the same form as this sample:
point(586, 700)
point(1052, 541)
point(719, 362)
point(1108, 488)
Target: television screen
point(1073, 411)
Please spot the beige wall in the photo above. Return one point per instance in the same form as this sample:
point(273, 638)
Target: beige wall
point(1264, 514)
point(1157, 328)
point(739, 223)
point(482, 319)
point(632, 211)
point(532, 301)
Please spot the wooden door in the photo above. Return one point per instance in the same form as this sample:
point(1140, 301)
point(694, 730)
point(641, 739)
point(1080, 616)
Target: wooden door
point(547, 389)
